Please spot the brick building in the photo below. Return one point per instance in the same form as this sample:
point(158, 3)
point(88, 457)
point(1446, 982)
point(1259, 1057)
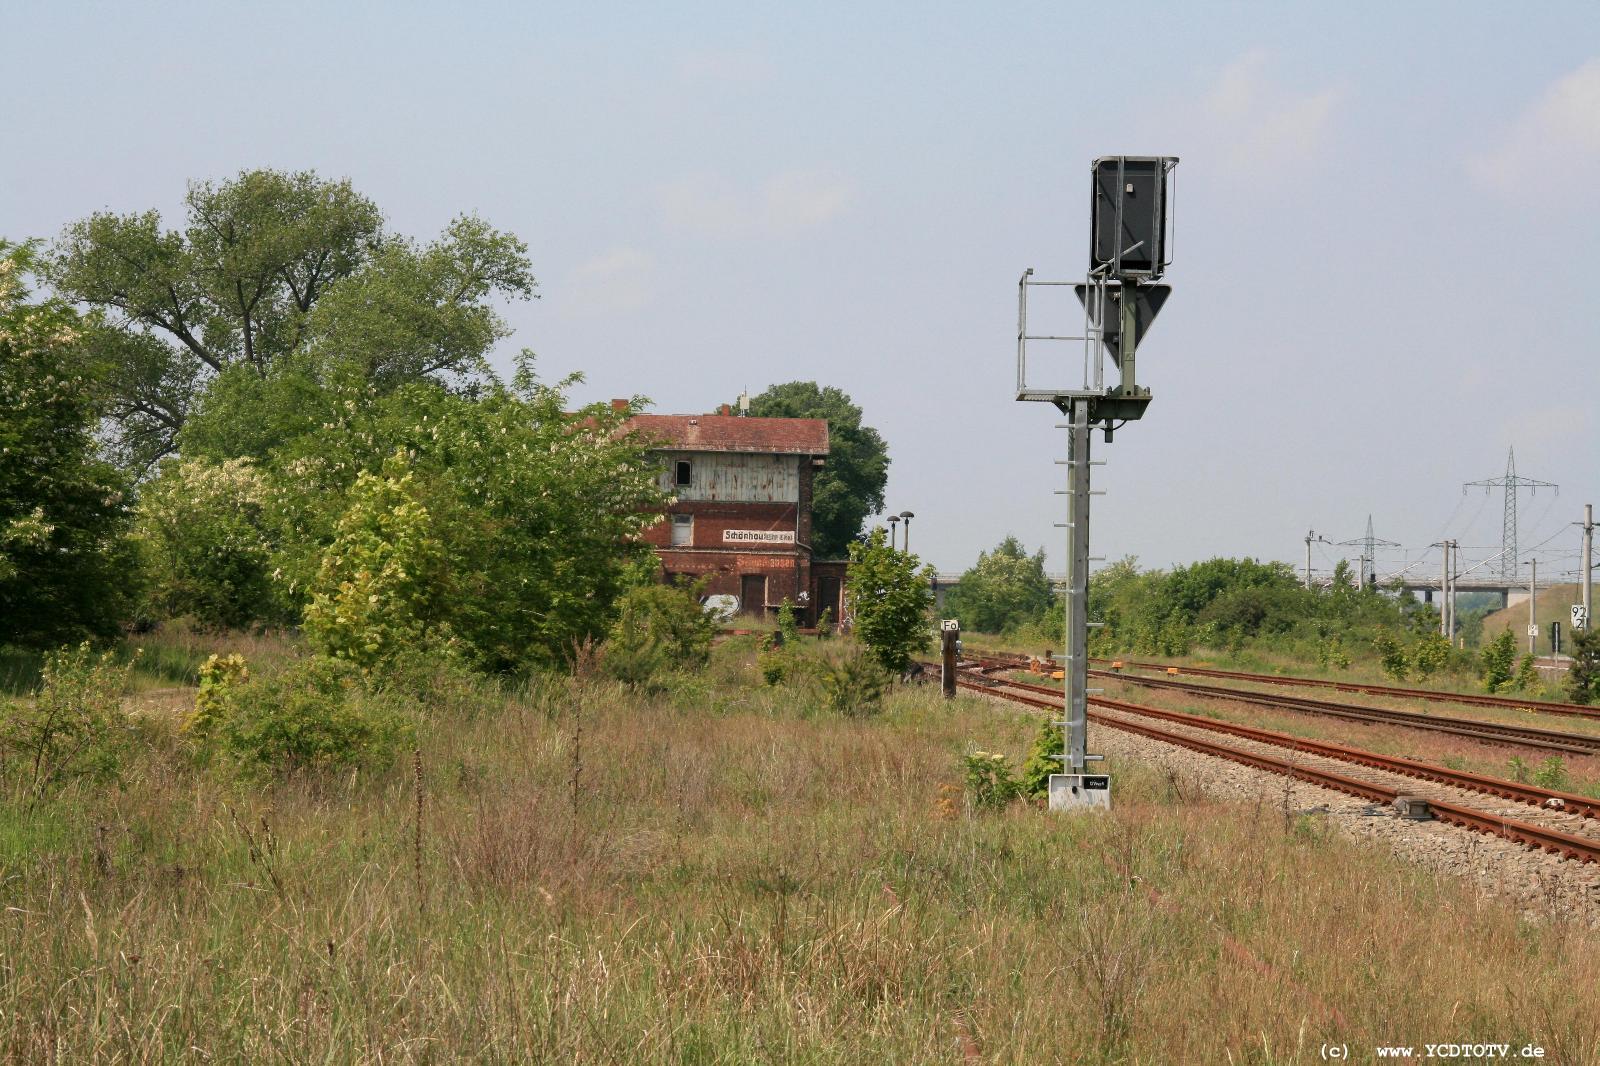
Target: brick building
point(741, 510)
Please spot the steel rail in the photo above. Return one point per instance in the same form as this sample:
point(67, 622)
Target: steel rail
point(1490, 732)
point(1572, 710)
point(1555, 841)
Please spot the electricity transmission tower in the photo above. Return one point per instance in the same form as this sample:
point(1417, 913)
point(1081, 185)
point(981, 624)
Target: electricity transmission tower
point(1511, 483)
point(1369, 546)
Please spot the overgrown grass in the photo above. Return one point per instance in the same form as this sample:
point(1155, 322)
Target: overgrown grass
point(725, 873)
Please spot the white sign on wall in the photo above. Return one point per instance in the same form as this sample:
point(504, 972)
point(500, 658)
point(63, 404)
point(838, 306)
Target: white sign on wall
point(758, 536)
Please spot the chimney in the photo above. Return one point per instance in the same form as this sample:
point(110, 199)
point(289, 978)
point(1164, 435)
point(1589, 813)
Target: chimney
point(619, 405)
point(725, 410)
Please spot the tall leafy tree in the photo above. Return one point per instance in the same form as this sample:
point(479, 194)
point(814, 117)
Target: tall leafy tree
point(1007, 587)
point(890, 600)
point(850, 486)
point(238, 291)
point(63, 510)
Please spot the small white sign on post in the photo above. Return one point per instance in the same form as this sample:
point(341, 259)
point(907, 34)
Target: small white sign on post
point(1533, 631)
point(1580, 616)
point(951, 625)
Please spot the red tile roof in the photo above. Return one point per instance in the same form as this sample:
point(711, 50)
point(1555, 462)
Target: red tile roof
point(734, 433)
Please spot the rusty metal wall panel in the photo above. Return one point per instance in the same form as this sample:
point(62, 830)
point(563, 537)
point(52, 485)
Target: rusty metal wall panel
point(734, 477)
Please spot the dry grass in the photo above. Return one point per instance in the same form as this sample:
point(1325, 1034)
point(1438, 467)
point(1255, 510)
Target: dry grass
point(742, 879)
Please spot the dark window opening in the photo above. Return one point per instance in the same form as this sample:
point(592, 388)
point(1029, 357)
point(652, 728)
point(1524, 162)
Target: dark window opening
point(683, 471)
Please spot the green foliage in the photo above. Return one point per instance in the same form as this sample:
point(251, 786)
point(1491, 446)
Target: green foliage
point(318, 714)
point(1331, 653)
point(1392, 657)
point(65, 570)
point(1552, 774)
point(825, 623)
point(658, 627)
point(520, 518)
point(988, 778)
point(1006, 588)
point(235, 287)
point(788, 627)
point(890, 599)
point(850, 487)
point(1044, 759)
point(853, 684)
point(204, 537)
point(74, 728)
point(1518, 769)
point(276, 272)
point(1430, 654)
point(417, 311)
point(1527, 679)
point(218, 676)
point(1494, 662)
point(383, 583)
point(1583, 675)
point(774, 666)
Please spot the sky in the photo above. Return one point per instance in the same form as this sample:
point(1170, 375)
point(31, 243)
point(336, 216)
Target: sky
point(1384, 214)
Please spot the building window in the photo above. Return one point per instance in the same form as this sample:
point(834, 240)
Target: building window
point(682, 528)
point(683, 472)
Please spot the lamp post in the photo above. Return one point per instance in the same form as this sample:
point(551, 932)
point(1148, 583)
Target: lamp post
point(894, 527)
point(908, 516)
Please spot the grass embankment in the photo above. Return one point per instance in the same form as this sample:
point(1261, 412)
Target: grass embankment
point(723, 873)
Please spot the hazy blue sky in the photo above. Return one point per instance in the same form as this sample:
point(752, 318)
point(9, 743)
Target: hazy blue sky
point(1386, 214)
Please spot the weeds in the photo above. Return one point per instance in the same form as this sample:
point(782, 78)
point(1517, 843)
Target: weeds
point(74, 727)
point(989, 781)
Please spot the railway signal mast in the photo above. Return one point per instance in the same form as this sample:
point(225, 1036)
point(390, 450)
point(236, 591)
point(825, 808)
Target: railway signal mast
point(1129, 251)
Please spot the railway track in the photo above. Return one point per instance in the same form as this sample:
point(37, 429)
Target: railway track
point(1571, 710)
point(1549, 740)
point(1201, 734)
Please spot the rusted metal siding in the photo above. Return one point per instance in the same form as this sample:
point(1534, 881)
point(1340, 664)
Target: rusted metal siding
point(734, 477)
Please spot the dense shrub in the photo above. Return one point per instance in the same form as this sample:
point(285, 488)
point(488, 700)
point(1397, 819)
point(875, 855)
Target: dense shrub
point(853, 684)
point(1044, 759)
point(74, 728)
point(380, 587)
point(1494, 662)
point(989, 781)
point(658, 627)
point(1392, 657)
point(317, 714)
point(1583, 677)
point(218, 676)
point(1430, 654)
point(204, 537)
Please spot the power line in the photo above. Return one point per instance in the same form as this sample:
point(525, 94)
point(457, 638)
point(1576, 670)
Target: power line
point(1511, 483)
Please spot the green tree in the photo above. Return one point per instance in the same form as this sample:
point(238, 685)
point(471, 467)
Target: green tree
point(537, 508)
point(1430, 654)
point(1006, 588)
point(849, 487)
point(1392, 657)
point(241, 289)
point(64, 555)
point(383, 586)
point(658, 627)
point(1495, 660)
point(890, 598)
point(1583, 676)
point(206, 544)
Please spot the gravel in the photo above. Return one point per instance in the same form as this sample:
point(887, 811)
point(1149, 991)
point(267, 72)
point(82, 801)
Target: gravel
point(1540, 885)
